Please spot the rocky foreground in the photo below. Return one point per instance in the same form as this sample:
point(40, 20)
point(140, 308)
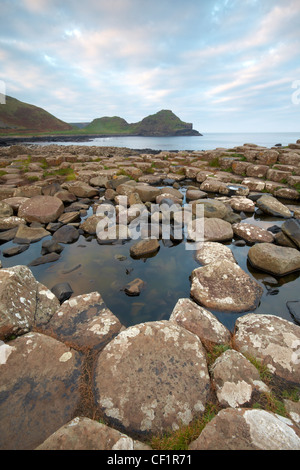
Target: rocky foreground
point(67, 362)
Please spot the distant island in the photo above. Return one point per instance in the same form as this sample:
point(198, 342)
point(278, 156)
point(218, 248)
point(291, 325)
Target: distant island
point(19, 119)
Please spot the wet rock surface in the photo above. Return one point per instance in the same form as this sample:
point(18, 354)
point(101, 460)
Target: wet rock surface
point(69, 356)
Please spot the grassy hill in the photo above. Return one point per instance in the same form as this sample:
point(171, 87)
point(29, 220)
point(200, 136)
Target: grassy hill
point(18, 116)
point(163, 123)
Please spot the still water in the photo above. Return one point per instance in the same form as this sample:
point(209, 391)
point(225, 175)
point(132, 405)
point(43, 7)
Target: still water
point(89, 266)
point(208, 141)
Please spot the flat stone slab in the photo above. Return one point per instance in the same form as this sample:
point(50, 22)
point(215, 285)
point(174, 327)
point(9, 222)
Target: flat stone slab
point(252, 233)
point(27, 234)
point(247, 429)
point(273, 340)
point(87, 434)
point(274, 259)
point(39, 379)
point(224, 286)
point(200, 321)
point(152, 377)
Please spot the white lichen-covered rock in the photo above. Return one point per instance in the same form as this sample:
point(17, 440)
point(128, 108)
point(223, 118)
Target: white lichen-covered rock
point(200, 321)
point(24, 302)
point(213, 251)
point(152, 377)
point(225, 286)
point(236, 379)
point(273, 340)
point(87, 434)
point(39, 384)
point(84, 321)
point(247, 429)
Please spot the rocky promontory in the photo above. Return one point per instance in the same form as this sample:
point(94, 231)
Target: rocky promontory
point(74, 377)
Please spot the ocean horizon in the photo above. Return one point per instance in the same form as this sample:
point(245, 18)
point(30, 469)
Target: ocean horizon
point(209, 141)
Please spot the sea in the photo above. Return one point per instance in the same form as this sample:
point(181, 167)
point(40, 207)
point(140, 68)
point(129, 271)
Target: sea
point(209, 141)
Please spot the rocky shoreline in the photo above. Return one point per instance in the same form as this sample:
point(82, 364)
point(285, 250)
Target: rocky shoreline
point(67, 361)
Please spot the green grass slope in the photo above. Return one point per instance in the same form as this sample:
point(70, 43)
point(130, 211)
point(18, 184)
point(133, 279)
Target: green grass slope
point(18, 116)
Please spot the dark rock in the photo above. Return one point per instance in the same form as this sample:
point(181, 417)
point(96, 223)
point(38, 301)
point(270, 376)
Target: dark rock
point(294, 309)
point(291, 228)
point(48, 258)
point(66, 234)
point(62, 291)
point(134, 287)
point(15, 250)
point(51, 246)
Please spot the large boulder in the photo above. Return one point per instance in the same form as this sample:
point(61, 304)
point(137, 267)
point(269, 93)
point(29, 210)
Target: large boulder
point(24, 302)
point(200, 321)
point(273, 340)
point(39, 383)
point(224, 286)
point(271, 206)
point(247, 429)
point(152, 377)
point(274, 259)
point(84, 322)
point(27, 234)
point(211, 208)
point(209, 229)
point(87, 434)
point(43, 209)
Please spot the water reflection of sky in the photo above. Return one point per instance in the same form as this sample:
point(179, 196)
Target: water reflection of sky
point(89, 266)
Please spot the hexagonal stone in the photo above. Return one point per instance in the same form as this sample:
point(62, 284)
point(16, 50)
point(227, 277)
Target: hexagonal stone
point(273, 340)
point(39, 379)
point(152, 377)
point(274, 259)
point(42, 209)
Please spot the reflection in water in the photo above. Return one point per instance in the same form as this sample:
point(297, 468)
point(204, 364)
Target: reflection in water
point(89, 266)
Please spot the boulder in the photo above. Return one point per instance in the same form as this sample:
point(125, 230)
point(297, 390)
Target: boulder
point(252, 233)
point(90, 224)
point(199, 321)
point(47, 258)
point(215, 230)
point(82, 189)
point(5, 210)
point(144, 248)
point(291, 228)
point(21, 305)
point(87, 434)
point(152, 377)
point(237, 382)
point(15, 202)
point(212, 208)
point(271, 206)
point(66, 234)
point(247, 429)
point(7, 223)
point(273, 340)
point(42, 209)
point(39, 382)
point(84, 322)
point(294, 309)
point(274, 259)
point(213, 251)
point(224, 286)
point(62, 291)
point(240, 204)
point(147, 193)
point(15, 250)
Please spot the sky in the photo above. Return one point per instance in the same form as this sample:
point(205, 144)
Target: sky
point(223, 65)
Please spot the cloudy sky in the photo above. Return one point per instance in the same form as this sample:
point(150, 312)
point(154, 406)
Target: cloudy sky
point(224, 65)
